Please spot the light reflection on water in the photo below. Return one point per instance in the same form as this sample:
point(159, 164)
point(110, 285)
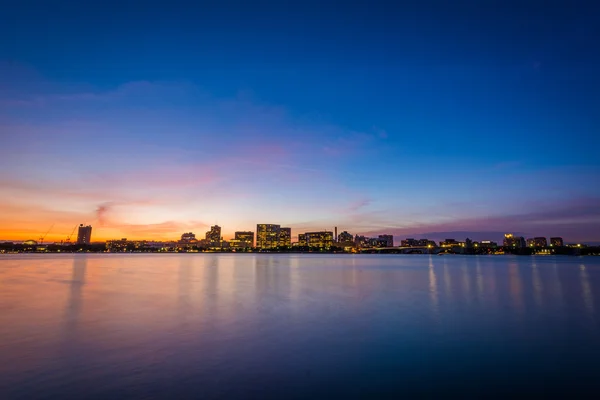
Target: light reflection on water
point(273, 325)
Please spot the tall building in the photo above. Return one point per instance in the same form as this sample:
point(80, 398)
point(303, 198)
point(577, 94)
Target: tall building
point(84, 234)
point(388, 240)
point(267, 236)
point(321, 239)
point(285, 237)
point(556, 242)
point(213, 237)
point(245, 237)
point(514, 241)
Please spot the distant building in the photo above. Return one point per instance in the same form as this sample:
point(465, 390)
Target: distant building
point(213, 237)
point(302, 240)
point(321, 239)
point(267, 236)
point(449, 243)
point(345, 237)
point(408, 242)
point(556, 242)
point(514, 241)
point(387, 240)
point(488, 244)
point(243, 239)
point(188, 237)
point(84, 234)
point(285, 237)
point(116, 246)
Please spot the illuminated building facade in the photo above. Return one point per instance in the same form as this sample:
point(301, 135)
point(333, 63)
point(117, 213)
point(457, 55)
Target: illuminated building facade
point(322, 239)
point(488, 244)
point(556, 242)
point(511, 240)
point(302, 240)
point(267, 236)
point(243, 239)
point(188, 237)
point(213, 237)
point(84, 234)
point(285, 237)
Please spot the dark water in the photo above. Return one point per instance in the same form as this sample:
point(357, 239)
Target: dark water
point(297, 326)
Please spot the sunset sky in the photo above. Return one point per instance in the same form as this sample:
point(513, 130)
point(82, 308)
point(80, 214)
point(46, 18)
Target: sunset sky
point(446, 119)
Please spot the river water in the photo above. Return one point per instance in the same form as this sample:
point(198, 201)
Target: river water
point(297, 326)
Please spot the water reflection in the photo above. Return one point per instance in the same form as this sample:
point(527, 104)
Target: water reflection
point(586, 291)
point(479, 279)
point(220, 321)
point(466, 281)
point(433, 291)
point(558, 286)
point(184, 283)
point(537, 285)
point(74, 300)
point(516, 286)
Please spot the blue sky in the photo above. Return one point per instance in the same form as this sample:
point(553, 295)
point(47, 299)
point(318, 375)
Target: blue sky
point(436, 118)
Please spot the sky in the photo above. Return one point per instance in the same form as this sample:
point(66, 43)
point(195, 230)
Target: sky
point(428, 119)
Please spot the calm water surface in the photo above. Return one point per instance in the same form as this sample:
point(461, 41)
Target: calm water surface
point(297, 326)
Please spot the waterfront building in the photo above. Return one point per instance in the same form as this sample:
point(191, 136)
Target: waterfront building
point(188, 237)
point(488, 244)
point(244, 239)
point(511, 240)
point(285, 237)
point(449, 243)
point(321, 239)
point(84, 234)
point(387, 240)
point(213, 237)
point(302, 240)
point(556, 242)
point(267, 236)
point(345, 237)
point(116, 246)
point(408, 242)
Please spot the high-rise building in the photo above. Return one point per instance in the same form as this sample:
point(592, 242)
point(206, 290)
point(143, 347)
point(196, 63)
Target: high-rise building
point(388, 240)
point(245, 238)
point(514, 241)
point(267, 236)
point(213, 237)
point(556, 242)
point(540, 242)
point(285, 237)
point(84, 234)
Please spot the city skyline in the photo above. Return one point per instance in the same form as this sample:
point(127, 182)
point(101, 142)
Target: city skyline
point(271, 236)
point(381, 121)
